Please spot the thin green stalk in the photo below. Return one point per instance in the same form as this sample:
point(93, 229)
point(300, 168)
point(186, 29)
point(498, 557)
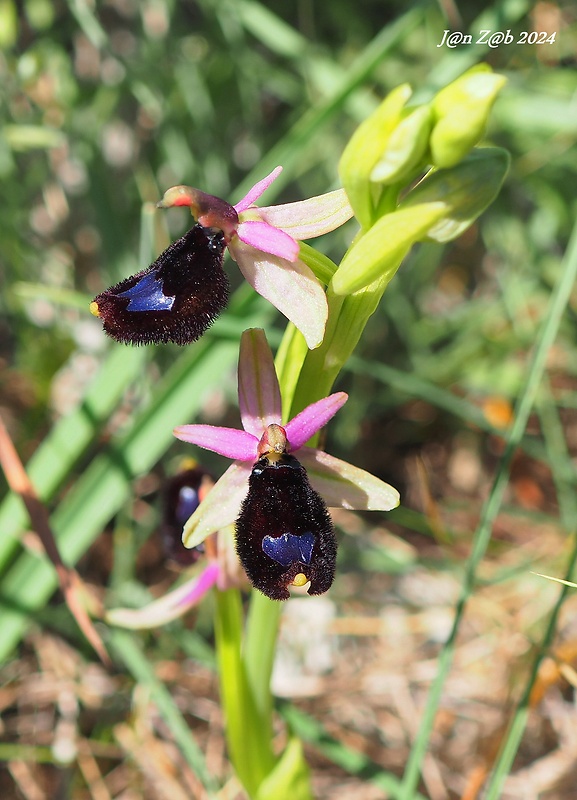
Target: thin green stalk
point(126, 647)
point(483, 534)
point(348, 316)
point(259, 650)
point(518, 723)
point(562, 469)
point(248, 738)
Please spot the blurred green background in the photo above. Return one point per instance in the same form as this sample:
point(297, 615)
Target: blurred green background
point(105, 105)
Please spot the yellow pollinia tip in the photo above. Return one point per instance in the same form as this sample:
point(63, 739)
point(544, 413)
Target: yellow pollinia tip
point(94, 309)
point(300, 579)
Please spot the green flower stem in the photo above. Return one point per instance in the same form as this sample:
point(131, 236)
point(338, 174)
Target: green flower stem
point(259, 649)
point(248, 735)
point(348, 317)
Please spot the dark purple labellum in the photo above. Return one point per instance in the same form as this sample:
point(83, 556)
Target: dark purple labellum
point(284, 530)
point(175, 300)
point(181, 498)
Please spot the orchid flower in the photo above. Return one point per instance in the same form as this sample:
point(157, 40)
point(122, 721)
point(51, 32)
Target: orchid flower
point(263, 242)
point(179, 296)
point(265, 444)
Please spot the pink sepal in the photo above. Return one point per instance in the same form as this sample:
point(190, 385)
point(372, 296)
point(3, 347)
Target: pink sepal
point(168, 607)
point(292, 288)
point(258, 390)
point(197, 590)
point(306, 219)
point(342, 485)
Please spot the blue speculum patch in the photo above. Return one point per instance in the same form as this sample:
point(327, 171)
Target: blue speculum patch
point(147, 295)
point(188, 502)
point(288, 548)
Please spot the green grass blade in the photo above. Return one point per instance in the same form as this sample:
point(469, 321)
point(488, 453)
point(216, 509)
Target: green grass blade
point(352, 761)
point(126, 648)
point(518, 723)
point(69, 438)
point(304, 134)
point(527, 397)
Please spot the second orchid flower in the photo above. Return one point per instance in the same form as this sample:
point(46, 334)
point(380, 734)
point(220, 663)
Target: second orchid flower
point(284, 534)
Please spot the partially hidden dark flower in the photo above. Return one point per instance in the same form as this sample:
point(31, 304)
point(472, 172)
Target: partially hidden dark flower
point(181, 496)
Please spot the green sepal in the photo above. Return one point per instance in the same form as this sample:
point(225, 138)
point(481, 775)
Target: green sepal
point(380, 251)
point(364, 150)
point(460, 112)
point(465, 190)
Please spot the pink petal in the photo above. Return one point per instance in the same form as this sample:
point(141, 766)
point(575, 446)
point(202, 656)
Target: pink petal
point(345, 486)
point(292, 288)
point(258, 189)
point(258, 389)
point(195, 592)
point(221, 506)
point(169, 606)
point(228, 442)
point(311, 419)
point(309, 218)
point(263, 236)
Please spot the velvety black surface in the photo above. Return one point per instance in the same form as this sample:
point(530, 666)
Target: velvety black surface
point(180, 499)
point(281, 501)
point(176, 299)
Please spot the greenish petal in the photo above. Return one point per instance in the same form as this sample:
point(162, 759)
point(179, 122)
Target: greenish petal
point(380, 251)
point(406, 147)
point(465, 190)
point(364, 150)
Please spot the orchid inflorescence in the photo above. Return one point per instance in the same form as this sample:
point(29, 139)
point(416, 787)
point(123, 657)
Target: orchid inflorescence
point(272, 494)
point(411, 173)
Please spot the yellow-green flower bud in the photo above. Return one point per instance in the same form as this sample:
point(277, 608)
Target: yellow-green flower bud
point(406, 147)
point(364, 150)
point(465, 190)
point(461, 111)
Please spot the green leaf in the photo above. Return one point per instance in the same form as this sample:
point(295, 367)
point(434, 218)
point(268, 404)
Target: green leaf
point(289, 778)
